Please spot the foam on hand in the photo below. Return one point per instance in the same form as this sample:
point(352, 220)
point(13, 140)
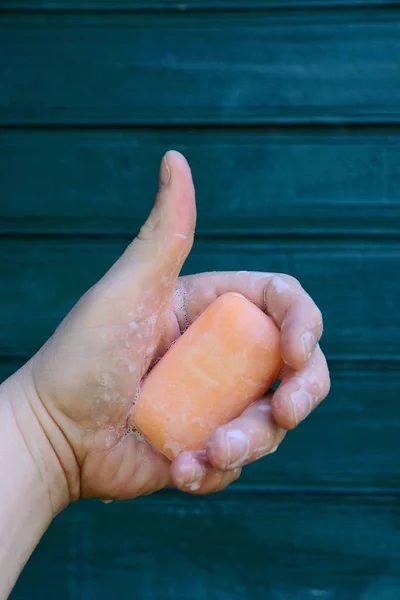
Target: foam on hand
point(228, 358)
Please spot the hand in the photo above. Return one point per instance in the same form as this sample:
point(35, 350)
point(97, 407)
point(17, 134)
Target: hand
point(82, 384)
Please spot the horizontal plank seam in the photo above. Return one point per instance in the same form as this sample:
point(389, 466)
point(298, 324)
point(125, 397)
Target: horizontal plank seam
point(199, 7)
point(327, 120)
point(307, 129)
point(352, 238)
point(305, 491)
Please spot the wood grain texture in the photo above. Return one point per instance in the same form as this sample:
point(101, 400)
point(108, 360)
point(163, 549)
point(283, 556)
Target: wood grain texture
point(251, 181)
point(355, 286)
point(286, 67)
point(350, 442)
point(230, 547)
point(188, 5)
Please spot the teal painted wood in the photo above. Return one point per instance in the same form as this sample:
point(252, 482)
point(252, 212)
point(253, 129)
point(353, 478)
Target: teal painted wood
point(349, 443)
point(250, 181)
point(286, 67)
point(354, 285)
point(319, 202)
point(188, 5)
point(231, 547)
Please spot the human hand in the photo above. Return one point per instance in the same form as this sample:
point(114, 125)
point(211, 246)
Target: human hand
point(82, 384)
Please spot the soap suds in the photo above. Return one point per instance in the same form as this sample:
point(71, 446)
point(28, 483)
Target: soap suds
point(180, 305)
point(132, 430)
point(237, 435)
point(193, 487)
point(264, 451)
point(307, 344)
point(298, 399)
point(166, 280)
point(132, 366)
point(137, 393)
point(173, 447)
point(279, 284)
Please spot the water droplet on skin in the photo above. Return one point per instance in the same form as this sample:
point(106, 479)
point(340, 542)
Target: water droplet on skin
point(264, 451)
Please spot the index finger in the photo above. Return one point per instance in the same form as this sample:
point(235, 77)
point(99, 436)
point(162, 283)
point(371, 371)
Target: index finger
point(280, 296)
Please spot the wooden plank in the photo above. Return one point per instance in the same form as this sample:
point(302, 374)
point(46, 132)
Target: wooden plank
point(230, 547)
point(354, 285)
point(188, 5)
point(271, 182)
point(350, 442)
point(232, 68)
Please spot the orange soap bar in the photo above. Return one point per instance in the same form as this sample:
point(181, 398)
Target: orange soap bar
point(228, 358)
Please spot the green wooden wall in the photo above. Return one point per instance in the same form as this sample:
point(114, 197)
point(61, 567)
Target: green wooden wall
point(289, 113)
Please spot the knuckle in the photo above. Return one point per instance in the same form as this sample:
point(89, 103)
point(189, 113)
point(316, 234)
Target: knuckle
point(290, 280)
point(320, 388)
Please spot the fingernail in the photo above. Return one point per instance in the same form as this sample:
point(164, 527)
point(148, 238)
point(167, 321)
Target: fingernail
point(106, 501)
point(165, 174)
point(302, 405)
point(237, 447)
point(308, 344)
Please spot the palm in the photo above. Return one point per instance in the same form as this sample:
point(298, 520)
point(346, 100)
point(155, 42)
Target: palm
point(102, 351)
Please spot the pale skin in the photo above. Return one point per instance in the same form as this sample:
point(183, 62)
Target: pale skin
point(65, 417)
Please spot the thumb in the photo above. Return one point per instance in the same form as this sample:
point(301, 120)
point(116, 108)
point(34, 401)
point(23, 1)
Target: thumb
point(155, 257)
point(167, 235)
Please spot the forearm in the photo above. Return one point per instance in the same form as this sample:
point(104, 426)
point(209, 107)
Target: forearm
point(30, 480)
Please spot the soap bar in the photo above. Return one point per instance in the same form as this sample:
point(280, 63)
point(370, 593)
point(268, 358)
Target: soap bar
point(228, 358)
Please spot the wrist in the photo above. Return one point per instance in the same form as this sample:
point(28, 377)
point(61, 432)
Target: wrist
point(29, 478)
point(32, 446)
